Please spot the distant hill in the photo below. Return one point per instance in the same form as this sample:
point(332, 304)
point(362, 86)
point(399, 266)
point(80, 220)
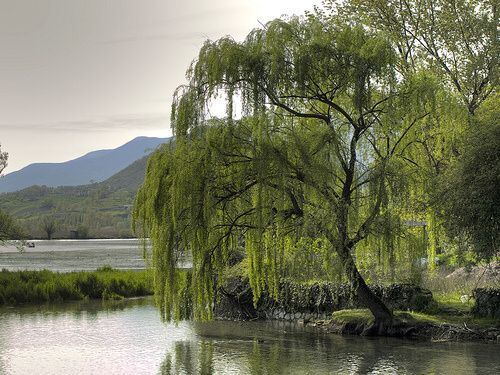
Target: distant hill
point(100, 210)
point(95, 166)
point(128, 179)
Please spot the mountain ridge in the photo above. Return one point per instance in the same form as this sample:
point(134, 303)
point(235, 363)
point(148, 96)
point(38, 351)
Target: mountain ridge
point(100, 210)
point(94, 166)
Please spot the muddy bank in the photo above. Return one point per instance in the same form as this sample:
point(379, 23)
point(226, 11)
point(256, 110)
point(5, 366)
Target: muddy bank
point(409, 328)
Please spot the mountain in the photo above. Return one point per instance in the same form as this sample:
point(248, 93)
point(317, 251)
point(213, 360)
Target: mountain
point(129, 178)
point(95, 166)
point(100, 210)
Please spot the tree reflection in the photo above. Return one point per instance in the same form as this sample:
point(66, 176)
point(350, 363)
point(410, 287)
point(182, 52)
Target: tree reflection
point(261, 349)
point(189, 358)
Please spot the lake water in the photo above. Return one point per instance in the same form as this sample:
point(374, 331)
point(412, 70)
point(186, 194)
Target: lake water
point(74, 255)
point(128, 337)
point(77, 255)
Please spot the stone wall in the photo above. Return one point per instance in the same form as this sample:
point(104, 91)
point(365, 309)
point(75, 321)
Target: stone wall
point(315, 301)
point(487, 303)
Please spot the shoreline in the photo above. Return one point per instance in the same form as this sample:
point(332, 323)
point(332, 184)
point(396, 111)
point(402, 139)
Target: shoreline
point(410, 330)
point(36, 288)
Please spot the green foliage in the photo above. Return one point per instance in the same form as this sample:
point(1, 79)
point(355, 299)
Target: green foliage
point(315, 158)
point(470, 196)
point(464, 56)
point(458, 39)
point(3, 160)
point(49, 226)
point(46, 286)
point(9, 228)
point(349, 118)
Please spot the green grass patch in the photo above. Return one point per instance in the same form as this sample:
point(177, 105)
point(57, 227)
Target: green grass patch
point(18, 287)
point(364, 316)
point(452, 301)
point(458, 319)
point(358, 316)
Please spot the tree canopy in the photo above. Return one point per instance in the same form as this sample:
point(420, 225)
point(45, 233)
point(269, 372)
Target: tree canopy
point(458, 38)
point(335, 149)
point(472, 187)
point(9, 229)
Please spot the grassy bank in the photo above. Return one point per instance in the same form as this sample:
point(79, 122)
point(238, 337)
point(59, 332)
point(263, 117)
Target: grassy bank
point(411, 317)
point(45, 286)
point(437, 328)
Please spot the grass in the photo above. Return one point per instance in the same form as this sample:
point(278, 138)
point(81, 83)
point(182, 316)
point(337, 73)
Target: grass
point(18, 287)
point(363, 316)
point(358, 316)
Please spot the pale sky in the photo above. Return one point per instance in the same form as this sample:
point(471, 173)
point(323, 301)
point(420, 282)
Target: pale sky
point(81, 75)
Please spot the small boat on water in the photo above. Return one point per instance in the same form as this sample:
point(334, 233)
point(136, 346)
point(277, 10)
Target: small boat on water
point(30, 244)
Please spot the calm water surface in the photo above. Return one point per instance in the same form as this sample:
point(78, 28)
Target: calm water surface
point(74, 255)
point(129, 338)
point(77, 255)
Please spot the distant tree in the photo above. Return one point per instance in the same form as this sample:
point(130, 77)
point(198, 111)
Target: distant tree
point(49, 226)
point(3, 160)
point(9, 229)
point(83, 231)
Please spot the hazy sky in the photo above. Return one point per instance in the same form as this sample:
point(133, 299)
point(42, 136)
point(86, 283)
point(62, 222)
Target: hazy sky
point(80, 75)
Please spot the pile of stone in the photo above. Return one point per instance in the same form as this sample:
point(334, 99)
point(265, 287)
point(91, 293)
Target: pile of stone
point(311, 302)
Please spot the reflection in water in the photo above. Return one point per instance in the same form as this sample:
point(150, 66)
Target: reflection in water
point(127, 337)
point(283, 348)
point(189, 358)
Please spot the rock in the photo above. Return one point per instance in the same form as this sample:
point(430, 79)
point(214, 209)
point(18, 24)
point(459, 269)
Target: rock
point(487, 303)
point(316, 301)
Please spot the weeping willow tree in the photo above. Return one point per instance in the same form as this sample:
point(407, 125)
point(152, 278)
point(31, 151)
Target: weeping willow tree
point(318, 152)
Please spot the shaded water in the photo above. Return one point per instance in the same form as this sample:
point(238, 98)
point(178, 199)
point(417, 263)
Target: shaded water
point(127, 337)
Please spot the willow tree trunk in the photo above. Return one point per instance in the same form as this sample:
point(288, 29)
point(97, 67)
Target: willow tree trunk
point(383, 316)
